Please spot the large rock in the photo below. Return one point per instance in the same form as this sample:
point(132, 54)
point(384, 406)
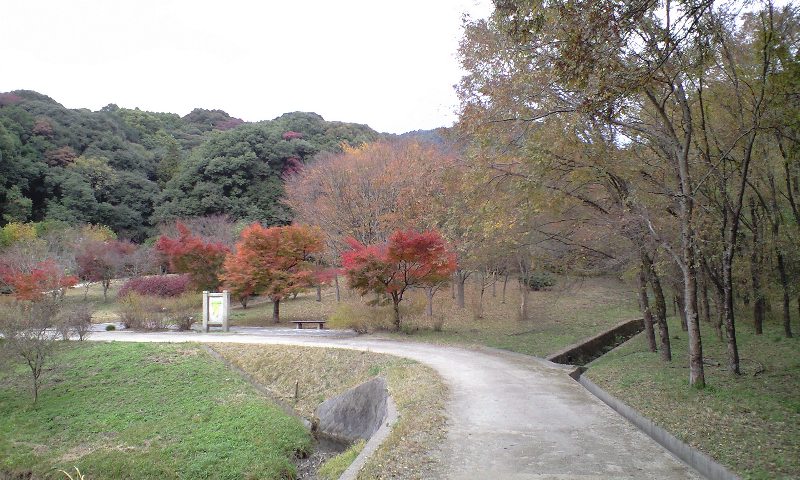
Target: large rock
point(356, 413)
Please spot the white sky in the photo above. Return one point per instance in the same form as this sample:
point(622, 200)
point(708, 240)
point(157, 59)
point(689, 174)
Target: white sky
point(391, 65)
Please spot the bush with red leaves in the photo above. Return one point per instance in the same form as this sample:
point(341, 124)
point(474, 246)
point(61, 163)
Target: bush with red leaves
point(159, 285)
point(290, 135)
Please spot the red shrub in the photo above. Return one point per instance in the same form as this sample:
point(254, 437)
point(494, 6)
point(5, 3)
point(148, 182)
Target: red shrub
point(290, 135)
point(159, 286)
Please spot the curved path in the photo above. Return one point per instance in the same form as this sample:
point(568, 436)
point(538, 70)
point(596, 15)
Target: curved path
point(510, 416)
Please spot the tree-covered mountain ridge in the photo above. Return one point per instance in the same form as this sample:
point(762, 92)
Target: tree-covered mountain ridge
point(130, 169)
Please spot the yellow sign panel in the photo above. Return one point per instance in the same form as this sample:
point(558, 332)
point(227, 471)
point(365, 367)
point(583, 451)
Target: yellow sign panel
point(215, 310)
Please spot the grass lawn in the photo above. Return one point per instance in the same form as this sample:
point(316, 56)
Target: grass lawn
point(749, 423)
point(572, 310)
point(409, 451)
point(575, 308)
point(118, 410)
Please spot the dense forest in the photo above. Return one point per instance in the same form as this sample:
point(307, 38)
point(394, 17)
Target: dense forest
point(129, 169)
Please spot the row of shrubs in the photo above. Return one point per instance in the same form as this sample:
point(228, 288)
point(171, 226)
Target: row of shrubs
point(148, 312)
point(157, 302)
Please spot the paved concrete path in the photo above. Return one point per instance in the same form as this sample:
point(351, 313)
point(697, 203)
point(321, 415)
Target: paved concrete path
point(511, 416)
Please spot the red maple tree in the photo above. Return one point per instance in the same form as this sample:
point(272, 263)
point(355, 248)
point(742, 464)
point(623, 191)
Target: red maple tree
point(189, 254)
point(45, 277)
point(408, 259)
point(274, 261)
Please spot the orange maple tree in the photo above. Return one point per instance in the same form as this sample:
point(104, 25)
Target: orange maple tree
point(274, 261)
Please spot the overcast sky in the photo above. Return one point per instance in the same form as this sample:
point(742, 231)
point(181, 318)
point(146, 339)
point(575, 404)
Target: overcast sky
point(391, 65)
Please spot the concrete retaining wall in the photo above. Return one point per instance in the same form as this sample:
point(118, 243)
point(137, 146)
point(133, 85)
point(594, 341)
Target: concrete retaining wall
point(578, 352)
point(704, 464)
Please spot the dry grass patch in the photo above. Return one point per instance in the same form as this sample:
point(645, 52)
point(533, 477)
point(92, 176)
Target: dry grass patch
point(573, 309)
point(420, 395)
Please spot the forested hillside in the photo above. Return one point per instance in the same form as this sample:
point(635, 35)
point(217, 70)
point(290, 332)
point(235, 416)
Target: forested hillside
point(130, 169)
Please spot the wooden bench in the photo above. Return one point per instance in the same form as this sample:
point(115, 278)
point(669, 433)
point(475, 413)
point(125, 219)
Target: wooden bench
point(299, 323)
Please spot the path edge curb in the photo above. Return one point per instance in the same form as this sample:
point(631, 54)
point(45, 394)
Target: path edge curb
point(375, 441)
point(702, 463)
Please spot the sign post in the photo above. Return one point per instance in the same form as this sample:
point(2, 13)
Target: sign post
point(215, 310)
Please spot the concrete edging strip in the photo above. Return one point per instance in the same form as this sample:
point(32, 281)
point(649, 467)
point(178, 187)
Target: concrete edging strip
point(701, 462)
point(374, 441)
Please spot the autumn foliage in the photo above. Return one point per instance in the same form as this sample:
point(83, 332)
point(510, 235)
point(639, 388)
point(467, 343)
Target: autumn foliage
point(407, 259)
point(46, 277)
point(273, 261)
point(189, 254)
point(157, 286)
point(102, 261)
point(367, 192)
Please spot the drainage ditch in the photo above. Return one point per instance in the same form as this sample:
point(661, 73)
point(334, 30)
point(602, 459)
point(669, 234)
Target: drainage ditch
point(592, 348)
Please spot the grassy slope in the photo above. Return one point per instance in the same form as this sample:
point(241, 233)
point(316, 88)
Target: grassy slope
point(322, 373)
point(574, 309)
point(749, 423)
point(144, 411)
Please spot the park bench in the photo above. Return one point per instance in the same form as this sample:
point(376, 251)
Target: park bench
point(320, 323)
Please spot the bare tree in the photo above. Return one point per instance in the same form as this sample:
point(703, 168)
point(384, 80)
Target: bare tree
point(27, 329)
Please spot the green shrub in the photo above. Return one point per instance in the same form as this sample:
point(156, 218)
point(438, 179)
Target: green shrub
point(110, 327)
point(181, 311)
point(333, 468)
point(142, 312)
point(538, 281)
point(149, 312)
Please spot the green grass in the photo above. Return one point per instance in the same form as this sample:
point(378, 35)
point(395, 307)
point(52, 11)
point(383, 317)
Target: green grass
point(571, 311)
point(419, 394)
point(333, 468)
point(144, 411)
point(749, 423)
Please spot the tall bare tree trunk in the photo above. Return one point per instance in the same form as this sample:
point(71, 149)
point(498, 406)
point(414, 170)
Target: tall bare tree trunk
point(680, 306)
point(523, 300)
point(686, 202)
point(396, 308)
point(787, 317)
point(276, 310)
point(719, 299)
point(319, 293)
point(429, 307)
point(461, 279)
point(644, 306)
point(479, 307)
point(783, 276)
point(660, 308)
point(336, 283)
point(505, 283)
point(705, 304)
point(756, 258)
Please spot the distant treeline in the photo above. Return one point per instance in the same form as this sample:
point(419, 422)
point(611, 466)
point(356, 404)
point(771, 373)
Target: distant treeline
point(131, 169)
